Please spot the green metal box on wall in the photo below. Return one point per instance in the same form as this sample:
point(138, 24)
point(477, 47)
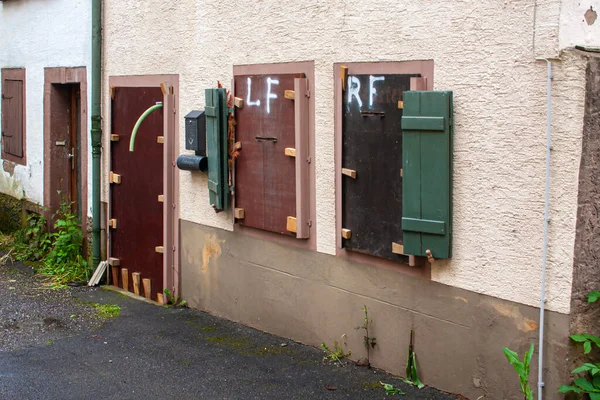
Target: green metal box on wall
point(216, 112)
point(427, 129)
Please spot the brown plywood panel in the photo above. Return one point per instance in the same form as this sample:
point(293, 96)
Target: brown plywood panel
point(372, 147)
point(133, 201)
point(265, 178)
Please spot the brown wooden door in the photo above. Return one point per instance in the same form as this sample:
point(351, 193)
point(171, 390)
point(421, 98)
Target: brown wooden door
point(134, 202)
point(65, 181)
point(265, 180)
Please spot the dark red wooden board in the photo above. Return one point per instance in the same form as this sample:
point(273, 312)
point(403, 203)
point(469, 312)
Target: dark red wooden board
point(134, 202)
point(372, 146)
point(265, 178)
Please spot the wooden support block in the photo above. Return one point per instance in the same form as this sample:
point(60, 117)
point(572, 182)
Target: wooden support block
point(147, 287)
point(114, 262)
point(397, 248)
point(346, 233)
point(349, 172)
point(125, 278)
point(113, 223)
point(239, 213)
point(290, 152)
point(161, 198)
point(115, 276)
point(289, 94)
point(163, 88)
point(400, 104)
point(237, 145)
point(112, 92)
point(343, 76)
point(136, 282)
point(114, 138)
point(159, 249)
point(160, 139)
point(291, 224)
point(239, 103)
point(160, 298)
point(114, 178)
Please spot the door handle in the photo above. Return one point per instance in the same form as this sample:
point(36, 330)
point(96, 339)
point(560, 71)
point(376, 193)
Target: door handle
point(72, 157)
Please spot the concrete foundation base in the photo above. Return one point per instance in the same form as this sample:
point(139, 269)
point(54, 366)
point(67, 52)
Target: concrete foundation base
point(312, 298)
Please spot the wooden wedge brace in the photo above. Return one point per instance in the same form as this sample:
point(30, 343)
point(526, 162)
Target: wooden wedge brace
point(349, 172)
point(136, 282)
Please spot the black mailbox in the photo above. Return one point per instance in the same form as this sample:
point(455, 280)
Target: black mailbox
point(195, 132)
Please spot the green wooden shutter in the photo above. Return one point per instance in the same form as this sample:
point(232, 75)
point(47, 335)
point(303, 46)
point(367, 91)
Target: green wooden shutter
point(427, 173)
point(216, 148)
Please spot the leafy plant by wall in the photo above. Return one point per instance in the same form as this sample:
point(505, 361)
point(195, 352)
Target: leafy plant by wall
point(522, 368)
point(590, 381)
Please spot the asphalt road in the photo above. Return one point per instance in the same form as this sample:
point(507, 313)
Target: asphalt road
point(150, 352)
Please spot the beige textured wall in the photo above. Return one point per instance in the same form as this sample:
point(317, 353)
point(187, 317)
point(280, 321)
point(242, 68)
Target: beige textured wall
point(484, 51)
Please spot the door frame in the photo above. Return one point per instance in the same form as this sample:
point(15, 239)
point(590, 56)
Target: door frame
point(169, 85)
point(66, 75)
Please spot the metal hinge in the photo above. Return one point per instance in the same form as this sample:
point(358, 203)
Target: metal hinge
point(309, 160)
point(307, 94)
point(309, 223)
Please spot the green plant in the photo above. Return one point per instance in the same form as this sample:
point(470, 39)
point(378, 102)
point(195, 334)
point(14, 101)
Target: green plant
point(107, 310)
point(369, 341)
point(334, 355)
point(391, 389)
point(582, 384)
point(522, 368)
point(173, 301)
point(64, 262)
point(412, 374)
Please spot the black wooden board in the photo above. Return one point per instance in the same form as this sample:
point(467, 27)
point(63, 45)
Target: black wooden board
point(372, 146)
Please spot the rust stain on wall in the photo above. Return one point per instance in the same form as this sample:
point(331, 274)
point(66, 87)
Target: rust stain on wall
point(522, 323)
point(212, 248)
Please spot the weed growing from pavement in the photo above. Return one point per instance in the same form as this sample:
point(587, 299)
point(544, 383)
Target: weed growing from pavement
point(107, 310)
point(370, 342)
point(391, 389)
point(173, 301)
point(337, 354)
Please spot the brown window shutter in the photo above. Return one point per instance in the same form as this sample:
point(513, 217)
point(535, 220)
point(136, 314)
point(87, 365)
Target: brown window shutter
point(12, 117)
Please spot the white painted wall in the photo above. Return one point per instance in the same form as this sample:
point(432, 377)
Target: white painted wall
point(484, 51)
point(578, 28)
point(35, 35)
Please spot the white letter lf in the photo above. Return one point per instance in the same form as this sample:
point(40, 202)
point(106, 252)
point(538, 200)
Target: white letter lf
point(269, 94)
point(248, 101)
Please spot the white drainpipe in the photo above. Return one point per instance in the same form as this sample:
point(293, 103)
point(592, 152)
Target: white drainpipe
point(546, 222)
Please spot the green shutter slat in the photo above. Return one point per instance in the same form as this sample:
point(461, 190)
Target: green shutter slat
point(216, 147)
point(424, 225)
point(424, 123)
point(213, 186)
point(210, 111)
point(427, 173)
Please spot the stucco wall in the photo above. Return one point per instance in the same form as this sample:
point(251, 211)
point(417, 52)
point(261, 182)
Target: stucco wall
point(579, 24)
point(483, 51)
point(35, 35)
